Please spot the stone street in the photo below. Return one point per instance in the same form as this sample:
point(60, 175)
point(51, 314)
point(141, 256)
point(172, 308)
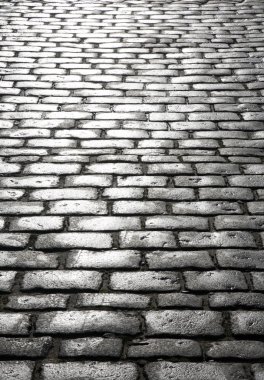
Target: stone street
point(132, 190)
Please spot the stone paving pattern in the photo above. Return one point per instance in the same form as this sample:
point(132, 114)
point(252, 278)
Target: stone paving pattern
point(132, 200)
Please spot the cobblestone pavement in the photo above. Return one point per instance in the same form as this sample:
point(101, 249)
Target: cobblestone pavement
point(132, 218)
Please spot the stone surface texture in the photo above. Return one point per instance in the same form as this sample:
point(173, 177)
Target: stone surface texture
point(131, 190)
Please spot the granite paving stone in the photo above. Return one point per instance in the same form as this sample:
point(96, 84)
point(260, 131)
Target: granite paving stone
point(131, 190)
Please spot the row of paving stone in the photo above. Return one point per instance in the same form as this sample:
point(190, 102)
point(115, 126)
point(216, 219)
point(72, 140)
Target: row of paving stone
point(153, 371)
point(172, 322)
point(131, 188)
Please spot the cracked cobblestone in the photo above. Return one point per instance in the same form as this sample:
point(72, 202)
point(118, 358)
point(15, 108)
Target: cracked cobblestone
point(131, 188)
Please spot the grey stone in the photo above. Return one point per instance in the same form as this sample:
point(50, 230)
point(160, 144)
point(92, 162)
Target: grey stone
point(73, 322)
point(16, 370)
point(187, 322)
point(94, 370)
point(91, 347)
point(194, 371)
point(163, 347)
